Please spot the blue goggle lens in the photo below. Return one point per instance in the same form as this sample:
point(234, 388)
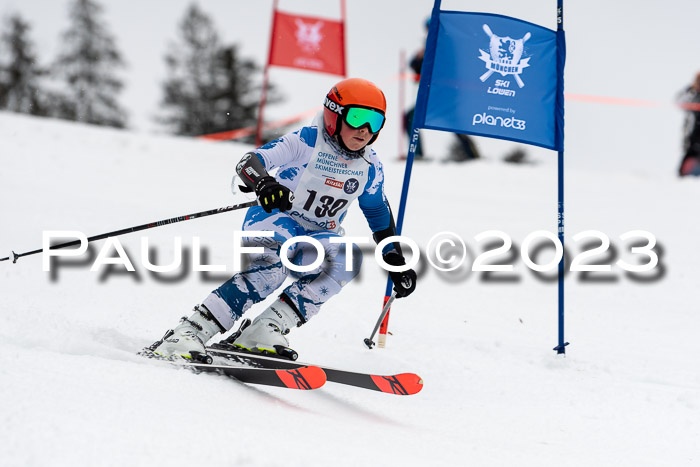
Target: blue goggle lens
point(357, 117)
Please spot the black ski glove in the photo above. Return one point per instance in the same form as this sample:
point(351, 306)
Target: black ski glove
point(273, 195)
point(404, 282)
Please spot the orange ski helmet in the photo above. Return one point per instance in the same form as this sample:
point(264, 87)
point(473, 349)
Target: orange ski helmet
point(356, 102)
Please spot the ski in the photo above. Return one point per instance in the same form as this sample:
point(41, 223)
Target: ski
point(403, 384)
point(304, 377)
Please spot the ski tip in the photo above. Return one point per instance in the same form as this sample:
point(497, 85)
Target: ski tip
point(305, 377)
point(404, 384)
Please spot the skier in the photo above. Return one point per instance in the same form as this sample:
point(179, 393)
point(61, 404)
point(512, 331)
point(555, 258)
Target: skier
point(322, 169)
point(690, 165)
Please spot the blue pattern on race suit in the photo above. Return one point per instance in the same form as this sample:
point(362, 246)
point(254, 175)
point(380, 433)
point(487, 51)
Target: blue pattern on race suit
point(266, 273)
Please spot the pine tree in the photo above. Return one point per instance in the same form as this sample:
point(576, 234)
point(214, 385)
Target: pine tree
point(20, 74)
point(88, 65)
point(235, 97)
point(189, 64)
point(209, 87)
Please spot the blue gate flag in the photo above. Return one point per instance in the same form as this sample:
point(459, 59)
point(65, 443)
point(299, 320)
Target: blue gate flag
point(494, 76)
point(499, 77)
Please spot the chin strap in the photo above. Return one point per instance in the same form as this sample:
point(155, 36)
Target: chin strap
point(338, 145)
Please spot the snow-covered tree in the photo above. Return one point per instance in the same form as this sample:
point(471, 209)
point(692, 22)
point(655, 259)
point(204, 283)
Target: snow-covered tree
point(20, 73)
point(209, 88)
point(88, 64)
point(235, 98)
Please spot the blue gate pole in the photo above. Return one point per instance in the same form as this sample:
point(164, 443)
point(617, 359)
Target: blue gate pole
point(407, 178)
point(421, 99)
point(404, 191)
point(399, 220)
point(561, 344)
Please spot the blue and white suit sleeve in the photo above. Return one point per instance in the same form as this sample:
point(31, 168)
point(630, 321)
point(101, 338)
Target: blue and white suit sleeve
point(373, 201)
point(287, 149)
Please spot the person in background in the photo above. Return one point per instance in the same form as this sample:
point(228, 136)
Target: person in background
point(415, 64)
point(690, 100)
point(464, 148)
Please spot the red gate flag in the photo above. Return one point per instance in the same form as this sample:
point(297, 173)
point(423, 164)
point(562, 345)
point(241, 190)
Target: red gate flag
point(308, 43)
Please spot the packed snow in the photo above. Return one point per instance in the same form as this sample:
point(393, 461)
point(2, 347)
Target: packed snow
point(75, 393)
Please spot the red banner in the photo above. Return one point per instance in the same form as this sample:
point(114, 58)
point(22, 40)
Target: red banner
point(308, 43)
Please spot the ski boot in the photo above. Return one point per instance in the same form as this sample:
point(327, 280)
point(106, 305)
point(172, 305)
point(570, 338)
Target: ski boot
point(188, 339)
point(266, 334)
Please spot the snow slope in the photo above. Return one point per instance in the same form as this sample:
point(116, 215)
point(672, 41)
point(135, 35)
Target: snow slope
point(75, 394)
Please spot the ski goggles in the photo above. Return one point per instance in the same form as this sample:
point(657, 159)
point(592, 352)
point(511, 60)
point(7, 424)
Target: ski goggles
point(357, 117)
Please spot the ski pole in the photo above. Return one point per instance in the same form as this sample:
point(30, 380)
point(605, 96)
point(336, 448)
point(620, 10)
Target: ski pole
point(368, 341)
point(150, 225)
